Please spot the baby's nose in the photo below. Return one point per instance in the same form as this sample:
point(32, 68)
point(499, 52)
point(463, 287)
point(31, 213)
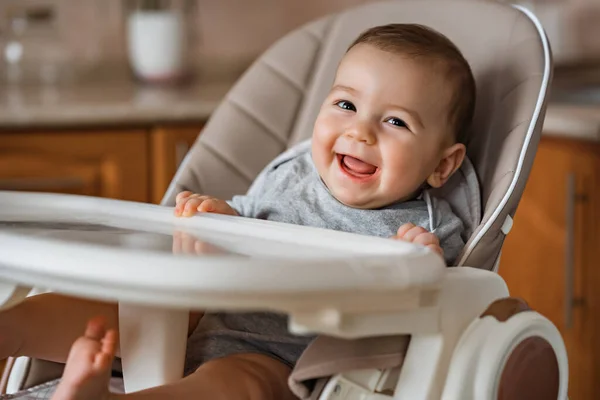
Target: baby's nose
point(362, 132)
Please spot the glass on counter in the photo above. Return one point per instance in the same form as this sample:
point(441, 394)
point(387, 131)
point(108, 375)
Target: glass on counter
point(32, 48)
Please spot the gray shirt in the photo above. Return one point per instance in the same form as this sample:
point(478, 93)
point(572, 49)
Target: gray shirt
point(293, 192)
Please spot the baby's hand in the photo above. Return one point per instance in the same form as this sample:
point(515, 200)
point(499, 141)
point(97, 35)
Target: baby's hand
point(415, 234)
point(188, 203)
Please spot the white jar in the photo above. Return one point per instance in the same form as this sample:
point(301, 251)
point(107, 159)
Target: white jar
point(157, 45)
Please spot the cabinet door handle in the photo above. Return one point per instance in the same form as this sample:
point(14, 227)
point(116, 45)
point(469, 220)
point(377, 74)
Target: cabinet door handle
point(41, 184)
point(570, 250)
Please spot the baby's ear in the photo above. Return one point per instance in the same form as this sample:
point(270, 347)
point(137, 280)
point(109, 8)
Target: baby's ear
point(451, 160)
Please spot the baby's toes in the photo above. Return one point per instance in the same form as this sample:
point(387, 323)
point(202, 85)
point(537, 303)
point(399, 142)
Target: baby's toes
point(87, 370)
point(82, 358)
point(106, 354)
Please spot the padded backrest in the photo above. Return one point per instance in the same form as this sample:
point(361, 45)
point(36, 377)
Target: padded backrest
point(274, 105)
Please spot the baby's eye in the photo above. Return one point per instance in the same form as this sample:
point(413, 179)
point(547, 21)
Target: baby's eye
point(397, 122)
point(345, 105)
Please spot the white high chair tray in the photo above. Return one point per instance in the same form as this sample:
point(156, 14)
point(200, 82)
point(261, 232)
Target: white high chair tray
point(123, 251)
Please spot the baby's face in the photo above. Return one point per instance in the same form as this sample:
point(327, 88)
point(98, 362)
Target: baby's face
point(383, 128)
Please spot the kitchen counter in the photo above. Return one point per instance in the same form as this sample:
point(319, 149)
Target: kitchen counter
point(575, 121)
point(574, 104)
point(108, 103)
point(109, 98)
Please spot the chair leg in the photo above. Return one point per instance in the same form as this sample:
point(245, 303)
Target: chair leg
point(152, 345)
point(6, 369)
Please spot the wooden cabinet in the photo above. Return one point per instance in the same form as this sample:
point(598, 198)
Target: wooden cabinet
point(97, 163)
point(169, 145)
point(551, 256)
point(133, 164)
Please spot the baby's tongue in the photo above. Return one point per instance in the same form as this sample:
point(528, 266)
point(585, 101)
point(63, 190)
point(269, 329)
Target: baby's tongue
point(358, 166)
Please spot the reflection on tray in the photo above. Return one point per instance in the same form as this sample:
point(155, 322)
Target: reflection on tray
point(177, 243)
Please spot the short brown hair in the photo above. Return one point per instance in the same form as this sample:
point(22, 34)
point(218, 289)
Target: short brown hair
point(419, 41)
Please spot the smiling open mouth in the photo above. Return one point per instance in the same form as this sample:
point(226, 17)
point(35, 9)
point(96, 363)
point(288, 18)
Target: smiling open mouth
point(355, 167)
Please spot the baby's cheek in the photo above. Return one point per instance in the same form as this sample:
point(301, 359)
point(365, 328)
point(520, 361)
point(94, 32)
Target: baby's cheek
point(323, 142)
point(327, 126)
point(318, 155)
point(400, 161)
point(402, 174)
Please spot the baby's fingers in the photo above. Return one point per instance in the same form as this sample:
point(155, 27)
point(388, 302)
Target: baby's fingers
point(404, 229)
point(413, 233)
point(430, 241)
point(436, 248)
point(208, 205)
point(182, 195)
point(426, 239)
point(190, 207)
point(181, 200)
point(216, 206)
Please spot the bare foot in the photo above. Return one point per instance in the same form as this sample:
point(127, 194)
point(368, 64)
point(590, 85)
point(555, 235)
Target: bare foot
point(89, 364)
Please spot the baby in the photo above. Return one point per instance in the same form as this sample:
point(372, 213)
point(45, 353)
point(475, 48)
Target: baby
point(392, 127)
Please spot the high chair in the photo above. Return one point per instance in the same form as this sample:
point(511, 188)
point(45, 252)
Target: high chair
point(457, 334)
